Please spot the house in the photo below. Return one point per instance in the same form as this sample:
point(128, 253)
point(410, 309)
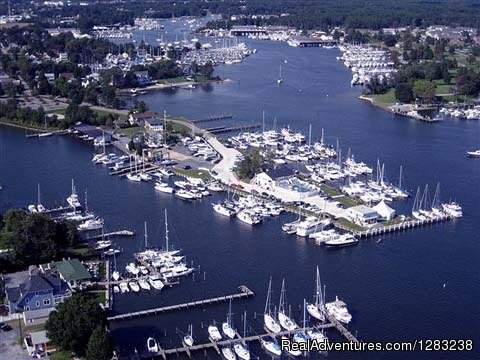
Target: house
point(143, 78)
point(38, 291)
point(140, 118)
point(384, 211)
point(37, 340)
point(72, 271)
point(154, 125)
point(362, 215)
point(270, 178)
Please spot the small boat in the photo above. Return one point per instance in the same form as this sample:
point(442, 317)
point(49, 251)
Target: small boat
point(228, 353)
point(145, 176)
point(116, 276)
point(144, 284)
point(222, 209)
point(271, 346)
point(184, 195)
point(338, 309)
point(132, 269)
point(111, 252)
point(116, 289)
point(134, 178)
point(188, 339)
point(474, 154)
point(227, 328)
point(152, 345)
point(72, 200)
point(156, 282)
point(290, 350)
point(134, 286)
point(124, 287)
point(241, 350)
point(91, 224)
point(163, 187)
point(341, 241)
point(213, 333)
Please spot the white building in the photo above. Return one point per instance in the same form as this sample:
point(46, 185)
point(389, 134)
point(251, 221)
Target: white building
point(361, 215)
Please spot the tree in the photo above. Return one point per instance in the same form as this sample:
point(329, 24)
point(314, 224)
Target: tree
point(252, 163)
point(100, 345)
point(403, 93)
point(424, 90)
point(74, 321)
point(43, 84)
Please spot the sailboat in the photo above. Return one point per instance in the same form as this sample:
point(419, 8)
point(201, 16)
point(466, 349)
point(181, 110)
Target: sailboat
point(241, 349)
point(270, 323)
point(436, 205)
point(130, 175)
point(72, 200)
point(188, 339)
point(285, 321)
point(416, 207)
point(227, 328)
point(280, 79)
point(300, 336)
point(316, 310)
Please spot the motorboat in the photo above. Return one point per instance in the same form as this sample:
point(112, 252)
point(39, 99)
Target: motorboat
point(163, 187)
point(111, 252)
point(152, 345)
point(453, 209)
point(134, 177)
point(341, 241)
point(91, 224)
point(228, 353)
point(248, 218)
point(156, 282)
point(474, 154)
point(224, 210)
point(134, 286)
point(132, 269)
point(213, 333)
point(271, 346)
point(144, 284)
point(115, 276)
point(116, 289)
point(123, 287)
point(338, 309)
point(184, 195)
point(102, 244)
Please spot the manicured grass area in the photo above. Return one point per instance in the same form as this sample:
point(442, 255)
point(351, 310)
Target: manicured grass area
point(385, 99)
point(194, 173)
point(130, 132)
point(60, 355)
point(348, 224)
point(329, 190)
point(348, 201)
point(178, 128)
point(173, 80)
point(106, 112)
point(394, 221)
point(82, 252)
point(443, 89)
point(56, 111)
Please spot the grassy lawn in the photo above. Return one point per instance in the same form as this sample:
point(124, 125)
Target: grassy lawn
point(348, 201)
point(82, 252)
point(194, 173)
point(394, 221)
point(130, 132)
point(329, 190)
point(178, 128)
point(173, 80)
point(385, 99)
point(105, 112)
point(60, 355)
point(349, 225)
point(56, 111)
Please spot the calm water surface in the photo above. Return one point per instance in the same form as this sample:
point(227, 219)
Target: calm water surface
point(394, 288)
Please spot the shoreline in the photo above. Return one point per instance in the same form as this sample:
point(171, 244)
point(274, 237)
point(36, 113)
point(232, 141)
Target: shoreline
point(27, 127)
point(374, 103)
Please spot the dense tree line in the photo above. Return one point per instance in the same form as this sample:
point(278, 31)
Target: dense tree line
point(82, 332)
point(252, 164)
point(34, 238)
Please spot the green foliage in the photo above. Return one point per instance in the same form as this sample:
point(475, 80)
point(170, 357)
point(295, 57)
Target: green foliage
point(74, 322)
point(35, 238)
point(100, 345)
point(468, 82)
point(252, 164)
point(424, 90)
point(404, 93)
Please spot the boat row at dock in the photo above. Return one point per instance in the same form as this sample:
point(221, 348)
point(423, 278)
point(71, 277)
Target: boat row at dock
point(279, 324)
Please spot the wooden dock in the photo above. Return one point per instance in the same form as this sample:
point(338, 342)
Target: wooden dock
point(216, 345)
point(113, 233)
point(212, 118)
point(244, 292)
point(405, 225)
point(225, 129)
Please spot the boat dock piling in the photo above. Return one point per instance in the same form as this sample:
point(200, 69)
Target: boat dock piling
point(244, 292)
point(212, 118)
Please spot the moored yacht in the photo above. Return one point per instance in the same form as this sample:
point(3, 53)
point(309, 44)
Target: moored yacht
point(163, 187)
point(228, 353)
point(342, 240)
point(152, 345)
point(317, 308)
point(248, 218)
point(223, 209)
point(91, 224)
point(285, 320)
point(213, 333)
point(269, 321)
point(271, 346)
point(338, 309)
point(72, 200)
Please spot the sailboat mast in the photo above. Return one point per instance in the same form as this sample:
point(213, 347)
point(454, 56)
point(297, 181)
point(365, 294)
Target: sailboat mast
point(166, 230)
point(38, 194)
point(145, 234)
point(267, 303)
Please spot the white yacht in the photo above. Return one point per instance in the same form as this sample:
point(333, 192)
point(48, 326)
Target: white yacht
point(222, 209)
point(115, 276)
point(241, 350)
point(163, 187)
point(228, 353)
point(123, 287)
point(342, 240)
point(188, 338)
point(213, 333)
point(184, 195)
point(227, 327)
point(474, 154)
point(145, 176)
point(132, 269)
point(156, 282)
point(134, 177)
point(338, 309)
point(316, 336)
point(152, 345)
point(134, 286)
point(248, 218)
point(453, 209)
point(311, 225)
point(91, 224)
point(271, 346)
point(144, 284)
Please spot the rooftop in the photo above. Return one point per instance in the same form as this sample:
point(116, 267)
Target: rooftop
point(71, 270)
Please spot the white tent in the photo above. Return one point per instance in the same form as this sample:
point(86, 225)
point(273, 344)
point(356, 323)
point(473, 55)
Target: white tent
point(385, 211)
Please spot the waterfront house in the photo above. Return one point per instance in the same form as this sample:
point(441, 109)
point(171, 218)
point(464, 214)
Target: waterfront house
point(72, 271)
point(361, 215)
point(269, 179)
point(154, 125)
point(140, 118)
point(37, 291)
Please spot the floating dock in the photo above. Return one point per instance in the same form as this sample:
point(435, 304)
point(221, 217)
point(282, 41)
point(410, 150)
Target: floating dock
point(113, 233)
point(212, 118)
point(244, 292)
point(225, 129)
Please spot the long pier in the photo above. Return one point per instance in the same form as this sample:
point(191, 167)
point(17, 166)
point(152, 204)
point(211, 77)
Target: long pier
point(244, 292)
point(405, 225)
point(225, 129)
point(212, 118)
point(113, 233)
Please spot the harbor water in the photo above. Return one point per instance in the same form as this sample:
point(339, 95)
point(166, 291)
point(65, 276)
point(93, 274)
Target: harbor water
point(418, 284)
